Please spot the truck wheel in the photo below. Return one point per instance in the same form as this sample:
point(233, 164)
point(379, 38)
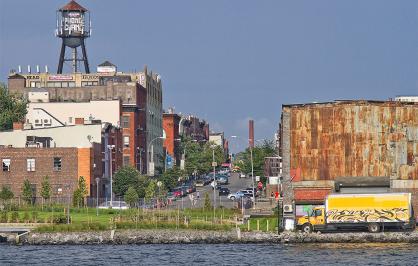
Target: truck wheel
point(374, 228)
point(306, 228)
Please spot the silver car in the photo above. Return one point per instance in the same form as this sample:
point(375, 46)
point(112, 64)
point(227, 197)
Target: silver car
point(118, 205)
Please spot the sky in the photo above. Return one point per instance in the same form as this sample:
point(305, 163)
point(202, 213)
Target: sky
point(228, 61)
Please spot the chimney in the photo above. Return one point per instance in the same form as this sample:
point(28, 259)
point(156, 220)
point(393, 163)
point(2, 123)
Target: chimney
point(17, 125)
point(79, 121)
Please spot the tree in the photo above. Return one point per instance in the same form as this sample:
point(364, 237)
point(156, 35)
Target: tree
point(199, 156)
point(207, 203)
point(45, 190)
point(171, 177)
point(243, 159)
point(80, 193)
point(124, 178)
point(27, 193)
point(6, 194)
point(12, 108)
point(131, 196)
point(151, 190)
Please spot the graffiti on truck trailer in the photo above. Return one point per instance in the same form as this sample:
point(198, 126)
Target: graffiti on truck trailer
point(371, 215)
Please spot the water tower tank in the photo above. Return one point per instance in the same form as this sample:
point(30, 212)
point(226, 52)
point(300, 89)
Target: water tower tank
point(73, 26)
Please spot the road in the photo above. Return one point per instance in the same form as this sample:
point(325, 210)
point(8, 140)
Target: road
point(235, 184)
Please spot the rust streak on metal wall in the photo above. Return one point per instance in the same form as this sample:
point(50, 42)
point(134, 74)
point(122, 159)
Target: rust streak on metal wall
point(354, 138)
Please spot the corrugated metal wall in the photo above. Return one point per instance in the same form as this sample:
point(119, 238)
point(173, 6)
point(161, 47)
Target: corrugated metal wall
point(353, 138)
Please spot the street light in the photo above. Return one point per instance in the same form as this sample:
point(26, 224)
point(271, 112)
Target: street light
point(110, 148)
point(152, 154)
point(252, 165)
point(97, 196)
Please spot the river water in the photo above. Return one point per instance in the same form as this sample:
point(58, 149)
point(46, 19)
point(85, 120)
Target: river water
point(211, 254)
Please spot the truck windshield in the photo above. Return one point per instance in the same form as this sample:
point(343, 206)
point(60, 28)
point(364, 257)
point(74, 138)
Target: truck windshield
point(318, 212)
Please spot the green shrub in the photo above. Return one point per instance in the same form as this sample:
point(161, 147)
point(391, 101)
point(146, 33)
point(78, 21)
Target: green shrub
point(34, 216)
point(60, 219)
point(3, 217)
point(14, 217)
point(26, 217)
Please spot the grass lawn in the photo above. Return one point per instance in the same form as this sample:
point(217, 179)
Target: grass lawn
point(86, 219)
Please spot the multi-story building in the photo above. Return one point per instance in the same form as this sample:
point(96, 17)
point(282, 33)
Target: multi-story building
point(194, 128)
point(140, 94)
point(63, 153)
point(363, 145)
point(171, 123)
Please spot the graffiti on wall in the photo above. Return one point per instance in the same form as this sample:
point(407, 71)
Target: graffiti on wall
point(372, 215)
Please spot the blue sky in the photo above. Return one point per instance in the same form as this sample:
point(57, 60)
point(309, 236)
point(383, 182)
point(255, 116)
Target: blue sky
point(231, 60)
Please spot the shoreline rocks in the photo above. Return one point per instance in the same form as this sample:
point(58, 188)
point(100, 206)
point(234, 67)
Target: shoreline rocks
point(183, 236)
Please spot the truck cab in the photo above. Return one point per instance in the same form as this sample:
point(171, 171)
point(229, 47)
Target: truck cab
point(313, 221)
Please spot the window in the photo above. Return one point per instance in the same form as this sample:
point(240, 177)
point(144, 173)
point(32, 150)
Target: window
point(318, 212)
point(70, 120)
point(6, 165)
point(57, 164)
point(125, 160)
point(30, 165)
point(126, 141)
point(125, 121)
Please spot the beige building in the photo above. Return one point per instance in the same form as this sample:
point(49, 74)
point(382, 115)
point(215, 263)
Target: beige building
point(78, 136)
point(57, 114)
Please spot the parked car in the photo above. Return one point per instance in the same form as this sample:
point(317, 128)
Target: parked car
point(177, 192)
point(118, 205)
point(200, 183)
point(223, 180)
point(171, 196)
point(236, 195)
point(224, 191)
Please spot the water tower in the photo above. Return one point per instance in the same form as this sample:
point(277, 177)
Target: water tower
point(73, 26)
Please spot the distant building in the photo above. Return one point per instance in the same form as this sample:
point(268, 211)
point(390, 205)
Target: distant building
point(140, 94)
point(192, 127)
point(79, 150)
point(411, 99)
point(171, 123)
point(219, 139)
point(272, 167)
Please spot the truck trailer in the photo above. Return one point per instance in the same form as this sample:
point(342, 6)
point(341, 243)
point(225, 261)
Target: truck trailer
point(373, 212)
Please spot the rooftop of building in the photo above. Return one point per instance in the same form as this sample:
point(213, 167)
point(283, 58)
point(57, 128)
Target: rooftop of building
point(73, 6)
point(351, 102)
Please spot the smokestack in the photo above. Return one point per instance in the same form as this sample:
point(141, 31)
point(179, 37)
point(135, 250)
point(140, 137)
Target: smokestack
point(251, 133)
point(46, 69)
point(37, 68)
point(19, 68)
point(29, 69)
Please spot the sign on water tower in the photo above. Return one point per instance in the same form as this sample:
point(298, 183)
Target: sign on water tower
point(73, 27)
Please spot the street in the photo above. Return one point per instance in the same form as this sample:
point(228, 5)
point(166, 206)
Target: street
point(235, 184)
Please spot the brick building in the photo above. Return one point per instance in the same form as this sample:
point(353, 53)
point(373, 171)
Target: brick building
point(84, 147)
point(171, 128)
point(63, 166)
point(140, 94)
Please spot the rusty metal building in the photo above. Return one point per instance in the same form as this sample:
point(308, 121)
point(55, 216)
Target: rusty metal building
point(321, 142)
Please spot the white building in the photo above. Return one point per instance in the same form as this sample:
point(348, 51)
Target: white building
point(58, 114)
point(79, 136)
point(412, 99)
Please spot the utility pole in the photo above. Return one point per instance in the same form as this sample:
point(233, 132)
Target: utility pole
point(110, 148)
point(252, 174)
point(214, 181)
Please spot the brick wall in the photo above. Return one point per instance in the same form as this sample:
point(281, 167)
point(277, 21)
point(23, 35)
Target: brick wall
point(44, 166)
